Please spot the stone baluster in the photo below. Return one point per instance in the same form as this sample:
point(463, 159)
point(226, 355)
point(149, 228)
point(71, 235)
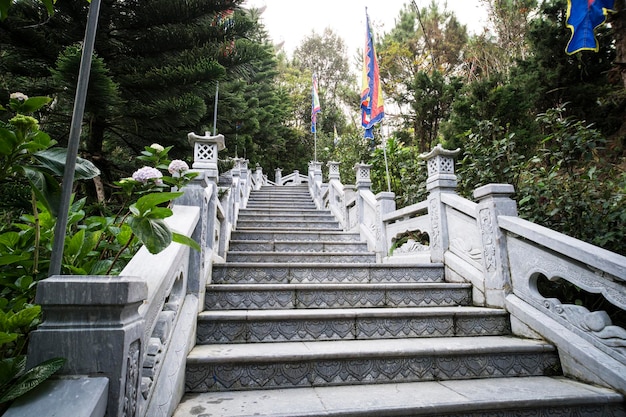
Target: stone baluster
point(296, 177)
point(493, 201)
point(441, 179)
point(362, 183)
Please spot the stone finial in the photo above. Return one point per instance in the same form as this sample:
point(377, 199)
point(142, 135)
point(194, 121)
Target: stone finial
point(205, 149)
point(362, 173)
point(333, 170)
point(440, 163)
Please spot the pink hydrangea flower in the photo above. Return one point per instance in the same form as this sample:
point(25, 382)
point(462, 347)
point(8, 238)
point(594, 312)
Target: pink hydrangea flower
point(178, 166)
point(146, 174)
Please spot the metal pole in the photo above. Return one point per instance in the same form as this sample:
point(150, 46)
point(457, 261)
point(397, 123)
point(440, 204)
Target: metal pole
point(315, 145)
point(74, 139)
point(386, 163)
point(217, 93)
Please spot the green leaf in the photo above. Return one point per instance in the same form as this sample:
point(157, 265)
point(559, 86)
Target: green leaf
point(33, 104)
point(49, 6)
point(184, 240)
point(54, 159)
point(159, 213)
point(7, 337)
point(31, 379)
point(74, 244)
point(23, 317)
point(11, 368)
point(8, 141)
point(14, 259)
point(153, 233)
point(149, 201)
point(4, 8)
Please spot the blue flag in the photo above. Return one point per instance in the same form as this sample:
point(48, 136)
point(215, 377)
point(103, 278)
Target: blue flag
point(583, 17)
point(372, 106)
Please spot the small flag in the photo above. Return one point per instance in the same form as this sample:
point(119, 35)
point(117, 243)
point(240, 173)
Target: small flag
point(315, 104)
point(372, 107)
point(336, 137)
point(583, 17)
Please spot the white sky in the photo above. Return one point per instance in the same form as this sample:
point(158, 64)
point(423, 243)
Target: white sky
point(293, 20)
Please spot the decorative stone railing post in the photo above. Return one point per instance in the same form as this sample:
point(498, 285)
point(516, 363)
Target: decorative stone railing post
point(362, 174)
point(385, 203)
point(333, 171)
point(202, 192)
point(441, 179)
point(493, 201)
point(278, 176)
point(93, 322)
point(317, 172)
point(296, 177)
point(362, 183)
point(236, 173)
point(259, 177)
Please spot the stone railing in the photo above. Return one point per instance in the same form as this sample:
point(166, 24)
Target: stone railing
point(503, 256)
point(125, 338)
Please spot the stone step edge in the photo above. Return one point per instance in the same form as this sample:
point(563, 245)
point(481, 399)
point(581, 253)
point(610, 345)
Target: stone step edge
point(311, 351)
point(326, 265)
point(294, 253)
point(427, 398)
point(296, 242)
point(327, 314)
point(331, 286)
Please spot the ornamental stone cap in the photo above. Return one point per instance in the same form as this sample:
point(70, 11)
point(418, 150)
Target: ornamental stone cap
point(439, 151)
point(207, 138)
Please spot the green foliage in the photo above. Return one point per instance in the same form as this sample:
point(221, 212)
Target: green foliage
point(564, 185)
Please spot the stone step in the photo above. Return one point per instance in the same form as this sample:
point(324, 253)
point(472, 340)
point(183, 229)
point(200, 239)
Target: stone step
point(282, 212)
point(253, 233)
point(301, 257)
point(285, 273)
point(254, 326)
point(296, 246)
point(220, 367)
point(259, 215)
point(303, 296)
point(261, 205)
point(288, 224)
point(537, 396)
point(284, 199)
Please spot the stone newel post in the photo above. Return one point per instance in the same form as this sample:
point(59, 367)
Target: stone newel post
point(278, 176)
point(333, 170)
point(493, 201)
point(441, 179)
point(362, 174)
point(94, 323)
point(317, 171)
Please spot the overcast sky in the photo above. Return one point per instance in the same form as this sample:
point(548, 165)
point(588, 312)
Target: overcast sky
point(290, 21)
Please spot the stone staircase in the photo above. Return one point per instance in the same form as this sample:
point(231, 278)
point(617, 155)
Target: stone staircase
point(301, 321)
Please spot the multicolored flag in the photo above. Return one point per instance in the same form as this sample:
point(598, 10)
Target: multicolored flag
point(583, 17)
point(315, 104)
point(372, 107)
point(336, 137)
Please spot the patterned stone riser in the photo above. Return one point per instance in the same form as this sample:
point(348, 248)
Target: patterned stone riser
point(262, 205)
point(299, 257)
point(216, 376)
point(283, 212)
point(272, 217)
point(231, 273)
point(285, 224)
point(228, 298)
point(315, 236)
point(256, 330)
point(295, 246)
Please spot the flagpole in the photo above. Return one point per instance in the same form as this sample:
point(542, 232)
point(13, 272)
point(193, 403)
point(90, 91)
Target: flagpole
point(315, 145)
point(217, 93)
point(385, 155)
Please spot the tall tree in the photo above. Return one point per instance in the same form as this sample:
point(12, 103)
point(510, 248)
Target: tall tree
point(420, 60)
